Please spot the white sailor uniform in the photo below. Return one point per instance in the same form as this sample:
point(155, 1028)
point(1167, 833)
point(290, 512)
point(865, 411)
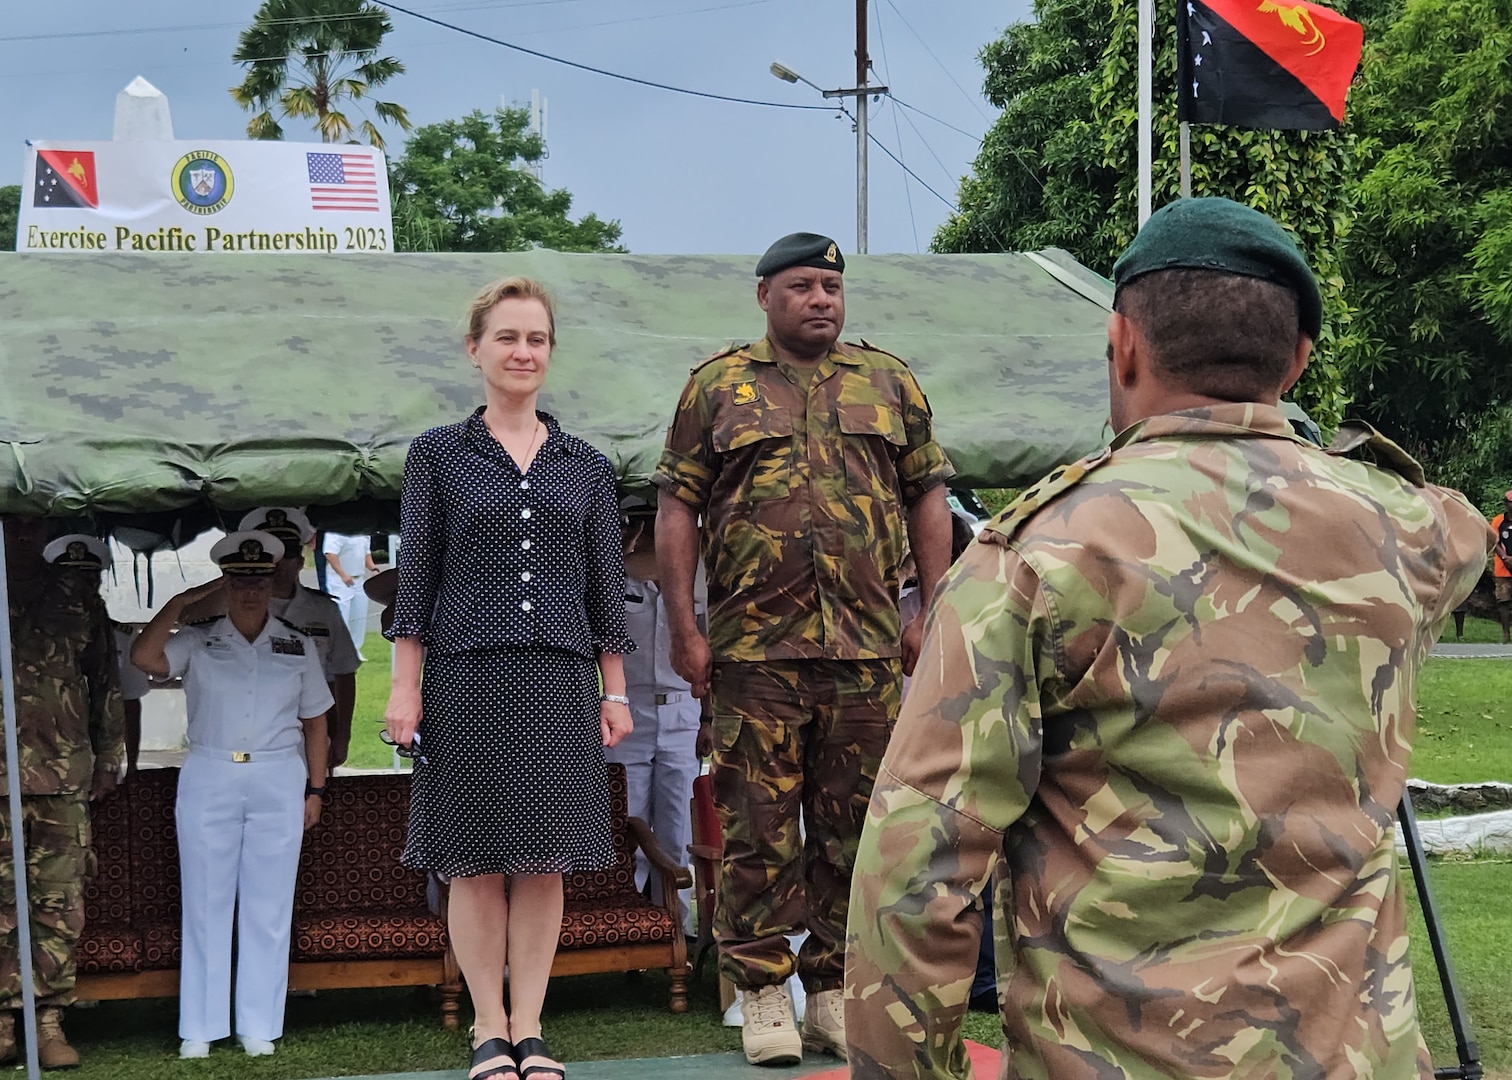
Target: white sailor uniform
point(660, 754)
point(240, 818)
point(318, 617)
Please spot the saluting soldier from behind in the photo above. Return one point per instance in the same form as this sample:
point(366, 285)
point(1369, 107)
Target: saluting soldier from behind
point(69, 730)
point(1168, 695)
point(313, 613)
point(808, 460)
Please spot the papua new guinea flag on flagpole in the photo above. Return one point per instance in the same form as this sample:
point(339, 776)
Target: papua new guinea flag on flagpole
point(1264, 63)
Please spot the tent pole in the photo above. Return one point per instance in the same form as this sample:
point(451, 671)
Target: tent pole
point(1186, 160)
point(18, 843)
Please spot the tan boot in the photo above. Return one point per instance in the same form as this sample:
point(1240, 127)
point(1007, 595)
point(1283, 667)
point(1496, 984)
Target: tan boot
point(53, 1051)
point(824, 1023)
point(7, 1036)
point(768, 1033)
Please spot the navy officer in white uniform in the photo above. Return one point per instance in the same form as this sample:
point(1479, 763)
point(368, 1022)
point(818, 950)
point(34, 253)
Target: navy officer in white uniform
point(257, 704)
point(313, 612)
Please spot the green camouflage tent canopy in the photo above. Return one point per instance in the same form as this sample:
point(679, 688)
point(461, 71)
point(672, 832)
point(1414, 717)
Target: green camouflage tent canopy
point(168, 384)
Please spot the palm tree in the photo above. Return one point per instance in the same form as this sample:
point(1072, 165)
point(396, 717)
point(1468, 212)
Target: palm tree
point(304, 58)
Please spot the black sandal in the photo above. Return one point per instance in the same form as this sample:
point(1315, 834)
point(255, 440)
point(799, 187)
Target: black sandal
point(529, 1048)
point(488, 1050)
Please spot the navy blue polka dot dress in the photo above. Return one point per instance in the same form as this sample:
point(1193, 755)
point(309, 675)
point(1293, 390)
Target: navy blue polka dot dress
point(513, 582)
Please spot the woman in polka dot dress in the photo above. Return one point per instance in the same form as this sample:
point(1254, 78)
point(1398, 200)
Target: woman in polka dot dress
point(511, 596)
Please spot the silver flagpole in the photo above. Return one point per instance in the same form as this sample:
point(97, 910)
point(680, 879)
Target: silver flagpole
point(1186, 160)
point(18, 844)
point(1146, 106)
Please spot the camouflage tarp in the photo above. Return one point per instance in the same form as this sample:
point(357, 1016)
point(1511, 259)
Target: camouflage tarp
point(141, 384)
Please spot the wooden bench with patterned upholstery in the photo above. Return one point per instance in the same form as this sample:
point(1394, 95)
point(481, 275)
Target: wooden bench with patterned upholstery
point(360, 918)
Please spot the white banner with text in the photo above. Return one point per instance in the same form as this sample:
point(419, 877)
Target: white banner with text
point(305, 198)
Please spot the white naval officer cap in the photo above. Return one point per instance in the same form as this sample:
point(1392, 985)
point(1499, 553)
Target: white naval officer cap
point(78, 551)
point(288, 523)
point(249, 552)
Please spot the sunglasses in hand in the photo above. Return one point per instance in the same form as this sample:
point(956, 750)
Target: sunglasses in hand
point(409, 750)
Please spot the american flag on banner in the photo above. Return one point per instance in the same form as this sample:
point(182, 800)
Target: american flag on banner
point(342, 182)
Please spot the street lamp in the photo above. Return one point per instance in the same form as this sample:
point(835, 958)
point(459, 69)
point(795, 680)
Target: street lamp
point(860, 93)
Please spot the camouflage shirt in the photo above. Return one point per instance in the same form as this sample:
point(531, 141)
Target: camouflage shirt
point(802, 488)
point(1173, 689)
point(70, 720)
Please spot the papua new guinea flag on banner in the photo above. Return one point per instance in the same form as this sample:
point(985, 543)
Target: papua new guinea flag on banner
point(66, 178)
point(1264, 63)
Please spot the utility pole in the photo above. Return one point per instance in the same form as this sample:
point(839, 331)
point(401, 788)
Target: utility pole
point(863, 65)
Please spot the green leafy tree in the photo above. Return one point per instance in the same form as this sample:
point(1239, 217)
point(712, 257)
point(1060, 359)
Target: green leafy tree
point(10, 213)
point(1069, 95)
point(311, 60)
point(464, 185)
point(1429, 254)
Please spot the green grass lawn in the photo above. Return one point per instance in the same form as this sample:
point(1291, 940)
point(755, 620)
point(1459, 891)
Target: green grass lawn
point(1464, 721)
point(366, 751)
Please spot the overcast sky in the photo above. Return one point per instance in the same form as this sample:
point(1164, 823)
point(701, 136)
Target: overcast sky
point(681, 174)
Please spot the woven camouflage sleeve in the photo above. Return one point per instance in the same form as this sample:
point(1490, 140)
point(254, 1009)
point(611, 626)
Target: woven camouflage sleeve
point(962, 765)
point(923, 463)
point(687, 466)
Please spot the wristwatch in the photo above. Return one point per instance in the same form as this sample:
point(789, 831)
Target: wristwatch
point(618, 699)
point(311, 789)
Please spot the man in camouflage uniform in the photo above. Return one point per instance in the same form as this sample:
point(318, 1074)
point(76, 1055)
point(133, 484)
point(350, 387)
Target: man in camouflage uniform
point(1168, 697)
point(70, 728)
point(804, 457)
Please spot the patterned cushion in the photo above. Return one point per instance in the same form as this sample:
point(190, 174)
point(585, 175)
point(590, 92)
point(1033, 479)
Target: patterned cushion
point(590, 925)
point(109, 949)
point(107, 894)
point(607, 886)
point(162, 947)
point(368, 937)
point(350, 862)
point(154, 852)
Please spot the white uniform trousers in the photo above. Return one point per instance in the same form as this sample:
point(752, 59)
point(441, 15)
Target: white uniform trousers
point(353, 603)
point(240, 826)
point(660, 756)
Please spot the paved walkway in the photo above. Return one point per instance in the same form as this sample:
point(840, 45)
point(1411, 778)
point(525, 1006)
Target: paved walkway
point(731, 1066)
point(1459, 650)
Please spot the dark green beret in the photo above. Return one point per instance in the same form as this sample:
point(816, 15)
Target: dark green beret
point(1220, 234)
point(801, 249)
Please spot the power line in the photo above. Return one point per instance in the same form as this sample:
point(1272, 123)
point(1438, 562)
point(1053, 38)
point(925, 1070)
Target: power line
point(897, 134)
point(925, 141)
point(936, 119)
point(948, 73)
point(601, 71)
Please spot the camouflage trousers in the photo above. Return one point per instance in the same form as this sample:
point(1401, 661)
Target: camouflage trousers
point(791, 737)
point(56, 832)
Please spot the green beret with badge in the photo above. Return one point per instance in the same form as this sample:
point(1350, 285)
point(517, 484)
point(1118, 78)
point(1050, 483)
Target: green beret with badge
point(801, 249)
point(1223, 235)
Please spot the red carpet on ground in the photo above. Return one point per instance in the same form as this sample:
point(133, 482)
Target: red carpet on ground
point(984, 1062)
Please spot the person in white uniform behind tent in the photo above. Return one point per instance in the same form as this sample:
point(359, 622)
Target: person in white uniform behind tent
point(352, 560)
point(251, 785)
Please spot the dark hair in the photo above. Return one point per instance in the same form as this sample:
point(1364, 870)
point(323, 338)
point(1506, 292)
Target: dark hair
point(1223, 335)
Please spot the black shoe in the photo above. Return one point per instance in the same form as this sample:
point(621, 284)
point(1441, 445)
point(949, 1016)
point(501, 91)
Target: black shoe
point(529, 1048)
point(985, 1002)
point(493, 1050)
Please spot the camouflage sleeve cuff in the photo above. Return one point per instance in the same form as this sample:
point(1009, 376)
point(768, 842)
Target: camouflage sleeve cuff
point(923, 468)
point(684, 478)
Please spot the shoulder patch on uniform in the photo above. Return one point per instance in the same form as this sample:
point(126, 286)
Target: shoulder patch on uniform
point(729, 350)
point(869, 347)
point(1357, 439)
point(1006, 524)
point(292, 626)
